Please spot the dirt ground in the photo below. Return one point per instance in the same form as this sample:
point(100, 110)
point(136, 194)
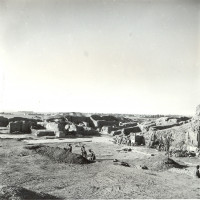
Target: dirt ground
point(103, 179)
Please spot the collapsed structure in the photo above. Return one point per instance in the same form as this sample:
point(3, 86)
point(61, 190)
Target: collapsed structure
point(185, 131)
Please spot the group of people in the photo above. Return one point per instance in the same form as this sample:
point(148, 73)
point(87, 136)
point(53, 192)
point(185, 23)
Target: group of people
point(90, 156)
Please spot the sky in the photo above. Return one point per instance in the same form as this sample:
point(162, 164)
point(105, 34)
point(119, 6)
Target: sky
point(107, 56)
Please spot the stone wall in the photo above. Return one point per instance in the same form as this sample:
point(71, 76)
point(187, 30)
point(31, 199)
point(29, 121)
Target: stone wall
point(186, 133)
point(3, 121)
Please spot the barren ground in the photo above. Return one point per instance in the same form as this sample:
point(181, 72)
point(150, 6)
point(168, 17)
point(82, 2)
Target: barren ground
point(103, 179)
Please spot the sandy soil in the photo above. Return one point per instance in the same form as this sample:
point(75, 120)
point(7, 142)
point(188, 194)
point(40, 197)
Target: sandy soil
point(103, 179)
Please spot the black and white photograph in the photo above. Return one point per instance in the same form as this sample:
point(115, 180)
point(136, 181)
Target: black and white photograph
point(99, 99)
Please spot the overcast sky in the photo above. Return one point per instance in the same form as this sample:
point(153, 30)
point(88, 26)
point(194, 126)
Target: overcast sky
point(122, 56)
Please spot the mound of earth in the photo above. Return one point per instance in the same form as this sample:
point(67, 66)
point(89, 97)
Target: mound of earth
point(20, 193)
point(59, 155)
point(166, 164)
point(159, 163)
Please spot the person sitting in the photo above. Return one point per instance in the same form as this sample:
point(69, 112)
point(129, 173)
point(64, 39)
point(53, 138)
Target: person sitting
point(92, 155)
point(197, 172)
point(69, 148)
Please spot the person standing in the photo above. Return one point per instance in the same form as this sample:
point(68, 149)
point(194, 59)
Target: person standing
point(70, 148)
point(83, 151)
point(197, 172)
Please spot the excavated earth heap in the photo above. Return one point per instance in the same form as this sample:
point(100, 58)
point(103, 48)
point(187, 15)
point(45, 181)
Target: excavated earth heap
point(59, 155)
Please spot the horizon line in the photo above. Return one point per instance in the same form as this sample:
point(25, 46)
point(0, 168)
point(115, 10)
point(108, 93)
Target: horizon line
point(108, 113)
